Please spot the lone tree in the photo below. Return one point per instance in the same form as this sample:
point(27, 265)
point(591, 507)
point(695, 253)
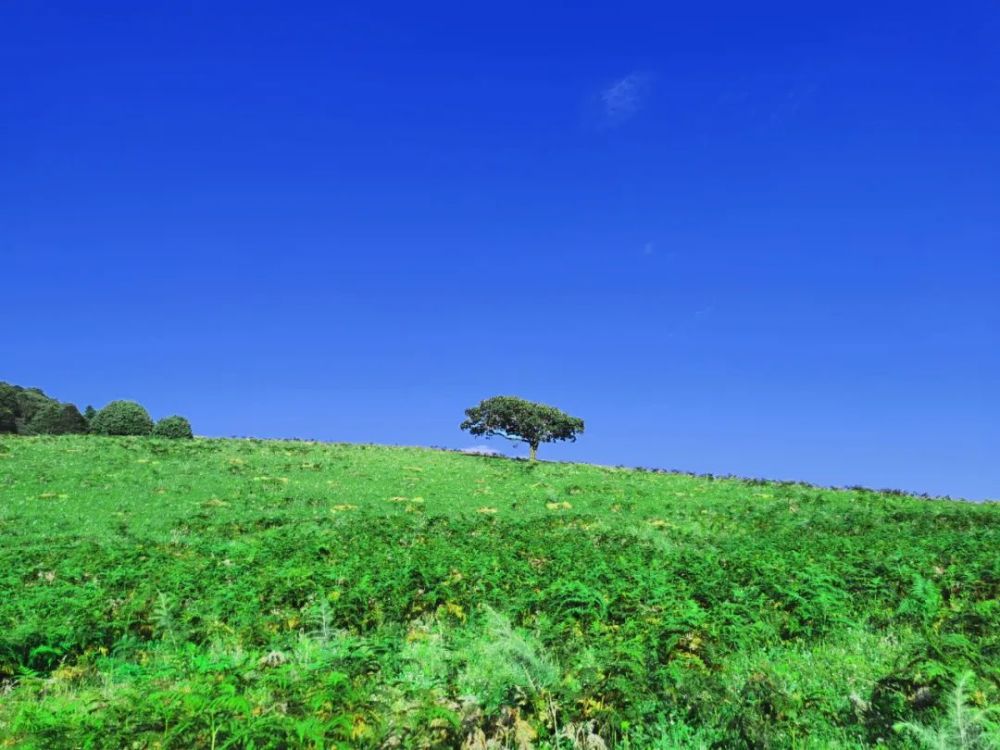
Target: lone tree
point(521, 421)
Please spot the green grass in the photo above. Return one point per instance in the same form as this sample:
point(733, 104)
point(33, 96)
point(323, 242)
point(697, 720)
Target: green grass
point(243, 593)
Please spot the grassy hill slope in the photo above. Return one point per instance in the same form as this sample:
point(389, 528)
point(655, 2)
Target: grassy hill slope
point(239, 593)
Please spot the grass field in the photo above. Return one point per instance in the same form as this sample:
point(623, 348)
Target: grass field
point(243, 593)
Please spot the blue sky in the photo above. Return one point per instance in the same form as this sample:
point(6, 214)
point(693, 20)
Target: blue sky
point(759, 240)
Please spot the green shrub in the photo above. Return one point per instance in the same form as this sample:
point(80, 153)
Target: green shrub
point(964, 728)
point(503, 662)
point(57, 419)
point(19, 405)
point(29, 402)
point(122, 418)
point(8, 408)
point(177, 428)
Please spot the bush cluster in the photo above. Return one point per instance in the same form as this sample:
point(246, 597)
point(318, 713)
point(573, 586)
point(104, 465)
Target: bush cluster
point(57, 419)
point(18, 406)
point(30, 411)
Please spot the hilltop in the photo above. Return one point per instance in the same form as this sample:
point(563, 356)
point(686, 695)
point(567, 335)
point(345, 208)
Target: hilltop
point(248, 593)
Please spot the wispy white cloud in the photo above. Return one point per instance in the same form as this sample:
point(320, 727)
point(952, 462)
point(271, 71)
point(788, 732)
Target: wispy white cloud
point(481, 450)
point(624, 98)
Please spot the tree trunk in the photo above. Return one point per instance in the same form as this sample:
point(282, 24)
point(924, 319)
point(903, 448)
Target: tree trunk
point(534, 451)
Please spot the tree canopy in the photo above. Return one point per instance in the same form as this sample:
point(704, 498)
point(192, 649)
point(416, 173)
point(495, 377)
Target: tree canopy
point(175, 428)
point(122, 418)
point(521, 421)
point(8, 408)
point(30, 411)
point(18, 406)
point(57, 419)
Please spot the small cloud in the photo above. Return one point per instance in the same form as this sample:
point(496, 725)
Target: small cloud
point(622, 99)
point(481, 450)
point(649, 248)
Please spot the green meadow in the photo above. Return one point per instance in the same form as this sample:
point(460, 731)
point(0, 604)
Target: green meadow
point(279, 594)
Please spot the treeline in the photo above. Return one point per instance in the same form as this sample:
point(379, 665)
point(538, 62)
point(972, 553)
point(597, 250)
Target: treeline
point(30, 411)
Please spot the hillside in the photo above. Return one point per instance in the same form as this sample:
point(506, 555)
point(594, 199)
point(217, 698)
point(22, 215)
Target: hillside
point(244, 593)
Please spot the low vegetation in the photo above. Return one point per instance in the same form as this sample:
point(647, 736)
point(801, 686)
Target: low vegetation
point(242, 593)
point(30, 411)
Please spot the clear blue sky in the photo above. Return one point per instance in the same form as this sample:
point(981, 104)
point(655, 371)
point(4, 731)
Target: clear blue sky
point(761, 240)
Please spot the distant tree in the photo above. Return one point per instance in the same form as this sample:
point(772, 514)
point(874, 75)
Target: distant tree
point(19, 405)
point(89, 413)
point(122, 418)
point(57, 419)
point(29, 402)
point(177, 428)
point(8, 408)
point(521, 421)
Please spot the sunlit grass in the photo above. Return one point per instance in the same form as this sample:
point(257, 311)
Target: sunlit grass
point(249, 593)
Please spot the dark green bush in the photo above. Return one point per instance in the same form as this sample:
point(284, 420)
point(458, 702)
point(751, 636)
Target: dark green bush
point(18, 406)
point(177, 428)
point(57, 419)
point(122, 418)
point(8, 408)
point(23, 404)
point(30, 401)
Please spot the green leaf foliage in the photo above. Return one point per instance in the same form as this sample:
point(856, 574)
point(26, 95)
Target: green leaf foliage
point(57, 419)
point(522, 421)
point(122, 418)
point(18, 406)
point(175, 428)
point(285, 594)
point(8, 408)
